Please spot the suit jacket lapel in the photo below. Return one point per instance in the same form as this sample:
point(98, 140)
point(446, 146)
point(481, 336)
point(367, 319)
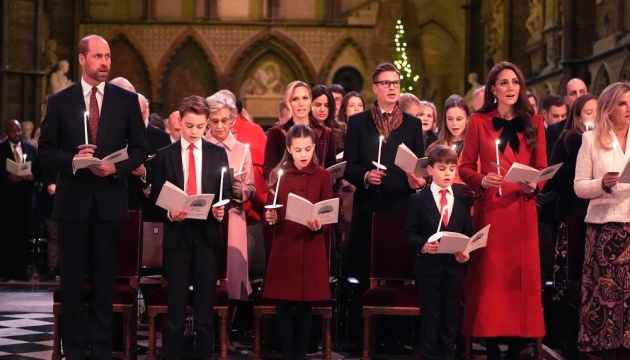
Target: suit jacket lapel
point(176, 159)
point(429, 202)
point(106, 117)
point(206, 169)
point(458, 215)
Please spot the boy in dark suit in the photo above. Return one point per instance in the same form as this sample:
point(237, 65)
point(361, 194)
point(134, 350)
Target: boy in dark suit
point(439, 276)
point(190, 246)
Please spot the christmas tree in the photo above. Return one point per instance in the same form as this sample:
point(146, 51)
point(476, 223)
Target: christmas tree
point(407, 77)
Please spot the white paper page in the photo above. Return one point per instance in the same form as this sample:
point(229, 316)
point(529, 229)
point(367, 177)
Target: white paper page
point(327, 211)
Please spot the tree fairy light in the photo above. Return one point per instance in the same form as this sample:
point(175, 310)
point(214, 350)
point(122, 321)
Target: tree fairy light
point(408, 79)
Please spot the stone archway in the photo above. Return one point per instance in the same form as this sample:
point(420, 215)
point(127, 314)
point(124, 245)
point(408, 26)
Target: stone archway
point(187, 72)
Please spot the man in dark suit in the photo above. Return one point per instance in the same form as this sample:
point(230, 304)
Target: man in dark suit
point(190, 246)
point(439, 275)
point(554, 112)
point(378, 190)
point(17, 194)
point(90, 204)
point(140, 183)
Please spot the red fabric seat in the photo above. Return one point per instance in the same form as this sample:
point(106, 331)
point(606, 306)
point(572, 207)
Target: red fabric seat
point(391, 273)
point(392, 295)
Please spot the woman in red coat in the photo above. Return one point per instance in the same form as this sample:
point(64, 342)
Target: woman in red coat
point(503, 287)
point(297, 273)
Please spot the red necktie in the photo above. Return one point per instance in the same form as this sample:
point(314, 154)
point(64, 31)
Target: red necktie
point(94, 114)
point(192, 174)
point(444, 207)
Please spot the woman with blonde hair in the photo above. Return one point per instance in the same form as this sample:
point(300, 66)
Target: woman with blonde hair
point(423, 110)
point(604, 314)
point(298, 98)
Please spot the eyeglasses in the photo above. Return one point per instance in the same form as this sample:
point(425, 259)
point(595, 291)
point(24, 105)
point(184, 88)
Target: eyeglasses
point(224, 121)
point(388, 84)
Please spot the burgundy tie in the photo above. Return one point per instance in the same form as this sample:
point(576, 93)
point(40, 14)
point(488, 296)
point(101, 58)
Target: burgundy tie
point(192, 173)
point(444, 207)
point(94, 114)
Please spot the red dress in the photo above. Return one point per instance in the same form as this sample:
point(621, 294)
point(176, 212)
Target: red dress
point(251, 133)
point(503, 284)
point(298, 262)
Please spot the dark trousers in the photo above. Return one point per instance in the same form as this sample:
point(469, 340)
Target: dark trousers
point(439, 301)
point(514, 348)
point(91, 246)
point(13, 250)
point(293, 346)
point(200, 263)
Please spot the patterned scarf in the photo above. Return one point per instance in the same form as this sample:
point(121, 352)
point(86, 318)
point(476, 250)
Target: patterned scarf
point(386, 123)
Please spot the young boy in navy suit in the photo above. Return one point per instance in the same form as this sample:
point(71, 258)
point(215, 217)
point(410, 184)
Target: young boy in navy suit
point(190, 246)
point(439, 275)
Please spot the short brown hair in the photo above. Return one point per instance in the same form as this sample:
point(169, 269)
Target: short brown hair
point(442, 154)
point(84, 44)
point(381, 68)
point(194, 104)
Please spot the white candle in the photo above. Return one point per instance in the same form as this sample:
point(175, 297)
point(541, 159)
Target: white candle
point(240, 169)
point(85, 126)
point(24, 158)
point(221, 184)
point(380, 146)
point(454, 147)
point(496, 144)
point(275, 196)
point(588, 125)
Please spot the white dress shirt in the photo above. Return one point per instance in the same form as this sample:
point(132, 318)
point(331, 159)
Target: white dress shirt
point(198, 154)
point(87, 92)
point(435, 189)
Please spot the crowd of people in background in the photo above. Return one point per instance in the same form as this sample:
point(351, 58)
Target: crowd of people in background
point(469, 146)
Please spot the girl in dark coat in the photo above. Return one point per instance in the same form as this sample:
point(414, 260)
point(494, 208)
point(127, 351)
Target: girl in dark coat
point(297, 273)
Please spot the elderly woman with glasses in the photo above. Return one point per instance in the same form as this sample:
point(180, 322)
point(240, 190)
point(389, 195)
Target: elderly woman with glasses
point(222, 116)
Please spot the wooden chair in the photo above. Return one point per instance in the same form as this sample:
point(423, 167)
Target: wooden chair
point(391, 259)
point(125, 292)
point(267, 307)
point(156, 303)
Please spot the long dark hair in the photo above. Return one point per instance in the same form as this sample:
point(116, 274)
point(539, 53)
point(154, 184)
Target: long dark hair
point(343, 118)
point(295, 132)
point(573, 124)
point(445, 137)
point(337, 130)
point(522, 108)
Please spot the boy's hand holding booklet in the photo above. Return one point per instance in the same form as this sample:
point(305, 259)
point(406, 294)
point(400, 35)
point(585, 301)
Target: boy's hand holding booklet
point(84, 162)
point(21, 169)
point(301, 211)
point(409, 162)
point(523, 173)
point(174, 199)
point(452, 242)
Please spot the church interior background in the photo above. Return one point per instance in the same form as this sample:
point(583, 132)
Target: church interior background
point(172, 48)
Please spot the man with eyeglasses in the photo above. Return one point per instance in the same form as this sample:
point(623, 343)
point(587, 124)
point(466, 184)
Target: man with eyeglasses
point(378, 190)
